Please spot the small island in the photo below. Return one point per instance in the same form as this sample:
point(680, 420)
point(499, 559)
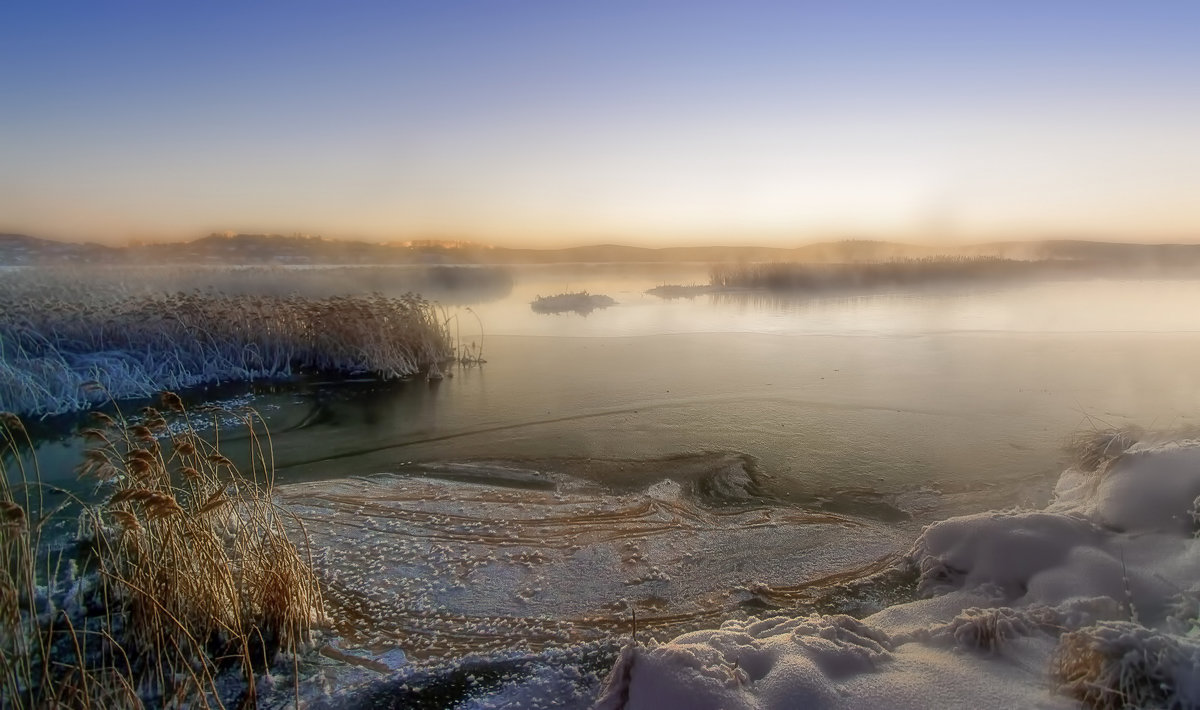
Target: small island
point(581, 302)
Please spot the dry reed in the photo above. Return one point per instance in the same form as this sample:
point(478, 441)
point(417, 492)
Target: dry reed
point(190, 576)
point(1115, 665)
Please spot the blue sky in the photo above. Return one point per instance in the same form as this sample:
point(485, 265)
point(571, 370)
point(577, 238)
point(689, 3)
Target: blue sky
point(571, 122)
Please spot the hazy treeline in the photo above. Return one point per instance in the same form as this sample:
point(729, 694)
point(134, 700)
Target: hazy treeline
point(278, 250)
point(896, 272)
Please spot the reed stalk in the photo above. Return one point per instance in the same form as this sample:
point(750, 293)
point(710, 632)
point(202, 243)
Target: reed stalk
point(186, 572)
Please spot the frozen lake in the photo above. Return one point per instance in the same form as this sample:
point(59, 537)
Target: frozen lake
point(925, 401)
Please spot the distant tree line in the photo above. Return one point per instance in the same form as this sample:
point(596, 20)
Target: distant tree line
point(896, 272)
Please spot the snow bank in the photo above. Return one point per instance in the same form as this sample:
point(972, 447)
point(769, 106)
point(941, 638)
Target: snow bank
point(1092, 600)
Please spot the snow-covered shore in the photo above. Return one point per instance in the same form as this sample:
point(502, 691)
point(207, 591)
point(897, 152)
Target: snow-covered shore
point(1093, 599)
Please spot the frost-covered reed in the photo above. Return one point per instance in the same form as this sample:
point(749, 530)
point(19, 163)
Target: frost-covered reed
point(1114, 665)
point(64, 346)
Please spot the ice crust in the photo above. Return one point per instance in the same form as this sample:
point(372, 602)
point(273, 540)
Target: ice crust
point(1091, 601)
point(476, 557)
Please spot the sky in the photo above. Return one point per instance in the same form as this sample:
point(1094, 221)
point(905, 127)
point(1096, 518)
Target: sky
point(646, 123)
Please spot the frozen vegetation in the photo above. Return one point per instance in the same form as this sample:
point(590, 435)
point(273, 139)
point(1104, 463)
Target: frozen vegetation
point(66, 343)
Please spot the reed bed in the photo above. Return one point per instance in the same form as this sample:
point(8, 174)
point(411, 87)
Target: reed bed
point(65, 347)
point(184, 587)
point(434, 282)
point(897, 272)
point(580, 302)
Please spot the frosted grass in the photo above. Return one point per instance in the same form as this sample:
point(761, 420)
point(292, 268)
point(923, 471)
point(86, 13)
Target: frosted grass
point(65, 346)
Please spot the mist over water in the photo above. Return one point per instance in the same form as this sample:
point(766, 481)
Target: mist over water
point(919, 400)
point(970, 393)
point(697, 458)
point(851, 420)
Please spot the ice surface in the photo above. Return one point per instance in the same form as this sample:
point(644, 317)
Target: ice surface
point(449, 558)
point(1092, 601)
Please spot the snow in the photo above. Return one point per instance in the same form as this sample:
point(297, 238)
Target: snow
point(1093, 599)
point(447, 558)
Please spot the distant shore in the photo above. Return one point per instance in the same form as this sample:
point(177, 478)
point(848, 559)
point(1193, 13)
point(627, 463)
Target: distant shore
point(273, 249)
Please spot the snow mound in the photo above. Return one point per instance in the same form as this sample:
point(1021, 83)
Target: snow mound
point(715, 669)
point(1004, 550)
point(1147, 489)
point(1092, 600)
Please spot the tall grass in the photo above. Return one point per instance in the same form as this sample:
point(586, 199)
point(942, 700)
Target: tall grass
point(56, 341)
point(188, 575)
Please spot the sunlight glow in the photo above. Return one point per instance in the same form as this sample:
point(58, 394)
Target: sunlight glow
point(547, 124)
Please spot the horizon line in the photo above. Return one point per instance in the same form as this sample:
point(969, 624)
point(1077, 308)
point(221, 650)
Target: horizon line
point(446, 241)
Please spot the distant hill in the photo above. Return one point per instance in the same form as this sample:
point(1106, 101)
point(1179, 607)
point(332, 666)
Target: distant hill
point(278, 249)
point(21, 250)
point(216, 249)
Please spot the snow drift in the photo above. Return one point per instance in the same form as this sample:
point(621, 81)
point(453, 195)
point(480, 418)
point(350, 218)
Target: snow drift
point(1093, 600)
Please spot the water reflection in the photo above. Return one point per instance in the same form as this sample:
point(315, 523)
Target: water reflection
point(960, 398)
point(1073, 306)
